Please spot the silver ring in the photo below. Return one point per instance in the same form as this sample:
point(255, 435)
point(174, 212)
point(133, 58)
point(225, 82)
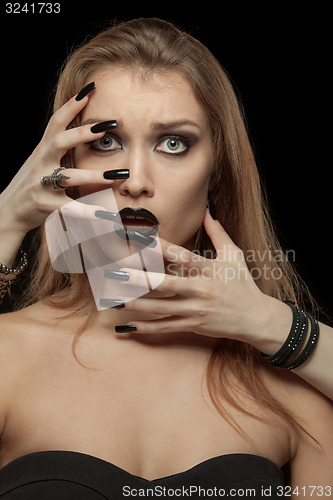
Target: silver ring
point(55, 178)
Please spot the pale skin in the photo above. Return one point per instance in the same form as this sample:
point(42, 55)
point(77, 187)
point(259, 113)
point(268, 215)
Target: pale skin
point(44, 390)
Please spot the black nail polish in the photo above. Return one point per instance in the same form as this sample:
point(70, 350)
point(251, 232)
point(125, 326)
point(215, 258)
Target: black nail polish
point(142, 238)
point(111, 303)
point(103, 126)
point(116, 174)
point(103, 214)
point(116, 275)
point(125, 328)
point(85, 91)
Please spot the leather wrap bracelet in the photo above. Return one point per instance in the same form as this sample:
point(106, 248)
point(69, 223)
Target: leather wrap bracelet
point(296, 350)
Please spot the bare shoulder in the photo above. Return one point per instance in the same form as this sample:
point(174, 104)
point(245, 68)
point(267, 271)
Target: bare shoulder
point(21, 326)
point(14, 330)
point(13, 344)
point(311, 449)
point(24, 334)
point(20, 332)
point(23, 343)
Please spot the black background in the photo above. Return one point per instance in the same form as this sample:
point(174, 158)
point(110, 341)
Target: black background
point(278, 59)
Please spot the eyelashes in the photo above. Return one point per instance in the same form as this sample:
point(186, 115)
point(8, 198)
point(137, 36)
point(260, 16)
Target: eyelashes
point(106, 144)
point(173, 145)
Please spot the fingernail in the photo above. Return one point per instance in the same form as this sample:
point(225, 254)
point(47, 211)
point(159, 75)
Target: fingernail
point(111, 303)
point(101, 214)
point(116, 275)
point(142, 238)
point(103, 126)
point(125, 328)
point(116, 174)
point(85, 91)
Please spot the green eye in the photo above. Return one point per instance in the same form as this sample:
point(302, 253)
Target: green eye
point(173, 145)
point(106, 143)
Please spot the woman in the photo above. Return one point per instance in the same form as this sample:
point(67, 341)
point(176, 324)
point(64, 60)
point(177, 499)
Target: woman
point(168, 390)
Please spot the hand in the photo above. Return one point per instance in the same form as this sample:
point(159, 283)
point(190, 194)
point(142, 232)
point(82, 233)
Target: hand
point(215, 297)
point(26, 203)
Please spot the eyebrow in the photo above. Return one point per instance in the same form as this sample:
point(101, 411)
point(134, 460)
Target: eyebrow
point(160, 126)
point(157, 126)
point(94, 120)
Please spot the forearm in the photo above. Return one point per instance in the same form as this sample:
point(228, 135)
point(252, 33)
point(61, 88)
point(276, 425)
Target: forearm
point(318, 370)
point(272, 333)
point(10, 242)
point(11, 233)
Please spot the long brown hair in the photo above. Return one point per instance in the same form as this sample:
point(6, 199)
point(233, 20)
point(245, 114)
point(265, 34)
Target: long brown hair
point(147, 46)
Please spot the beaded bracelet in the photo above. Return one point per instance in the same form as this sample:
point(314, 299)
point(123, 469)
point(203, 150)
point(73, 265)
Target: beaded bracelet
point(12, 272)
point(288, 356)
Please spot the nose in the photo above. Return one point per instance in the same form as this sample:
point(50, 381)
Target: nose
point(140, 181)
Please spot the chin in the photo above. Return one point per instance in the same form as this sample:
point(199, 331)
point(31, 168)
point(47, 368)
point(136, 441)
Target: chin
point(171, 234)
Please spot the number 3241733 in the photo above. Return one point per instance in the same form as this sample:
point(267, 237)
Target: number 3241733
point(32, 8)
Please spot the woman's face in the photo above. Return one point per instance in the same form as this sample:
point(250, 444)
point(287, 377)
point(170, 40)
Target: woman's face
point(163, 137)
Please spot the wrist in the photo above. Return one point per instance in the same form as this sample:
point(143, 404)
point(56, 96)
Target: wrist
point(12, 231)
point(9, 223)
point(10, 241)
point(273, 326)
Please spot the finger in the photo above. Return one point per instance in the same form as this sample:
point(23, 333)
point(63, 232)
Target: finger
point(222, 242)
point(171, 324)
point(179, 255)
point(176, 285)
point(65, 115)
point(170, 306)
point(215, 231)
point(83, 177)
point(79, 210)
point(58, 200)
point(68, 139)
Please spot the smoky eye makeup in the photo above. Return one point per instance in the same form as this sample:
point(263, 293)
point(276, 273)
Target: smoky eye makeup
point(174, 145)
point(106, 144)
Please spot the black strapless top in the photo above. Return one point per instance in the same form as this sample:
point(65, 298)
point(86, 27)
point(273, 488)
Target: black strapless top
point(68, 475)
